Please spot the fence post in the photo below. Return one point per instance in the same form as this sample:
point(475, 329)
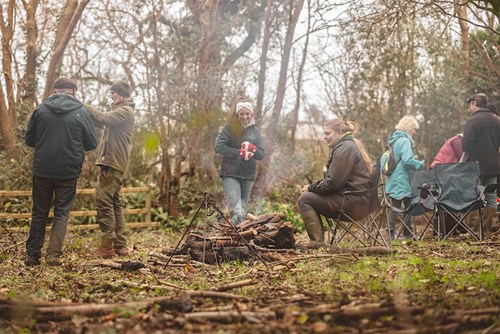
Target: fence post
point(148, 205)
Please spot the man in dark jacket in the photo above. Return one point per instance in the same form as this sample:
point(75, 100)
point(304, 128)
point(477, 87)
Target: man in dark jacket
point(60, 130)
point(481, 142)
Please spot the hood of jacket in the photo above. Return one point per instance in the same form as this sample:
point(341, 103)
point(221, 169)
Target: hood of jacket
point(399, 134)
point(61, 103)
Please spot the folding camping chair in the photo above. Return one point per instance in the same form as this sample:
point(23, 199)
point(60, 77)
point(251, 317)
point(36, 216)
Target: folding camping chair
point(460, 194)
point(423, 203)
point(366, 231)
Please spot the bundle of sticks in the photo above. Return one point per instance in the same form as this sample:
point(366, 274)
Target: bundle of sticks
point(224, 242)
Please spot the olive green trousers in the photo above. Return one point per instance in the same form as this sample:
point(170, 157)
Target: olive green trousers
point(109, 206)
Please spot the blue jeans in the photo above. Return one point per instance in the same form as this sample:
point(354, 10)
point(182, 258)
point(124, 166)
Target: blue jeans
point(491, 198)
point(43, 192)
point(237, 193)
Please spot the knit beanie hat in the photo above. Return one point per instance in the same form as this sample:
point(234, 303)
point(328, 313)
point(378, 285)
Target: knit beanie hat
point(121, 87)
point(64, 83)
point(246, 105)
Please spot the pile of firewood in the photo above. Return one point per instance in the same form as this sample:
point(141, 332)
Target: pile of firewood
point(224, 242)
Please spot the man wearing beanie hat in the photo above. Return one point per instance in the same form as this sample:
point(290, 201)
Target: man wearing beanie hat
point(481, 142)
point(60, 130)
point(112, 158)
point(121, 87)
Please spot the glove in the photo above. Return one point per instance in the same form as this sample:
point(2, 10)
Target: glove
point(247, 146)
point(245, 155)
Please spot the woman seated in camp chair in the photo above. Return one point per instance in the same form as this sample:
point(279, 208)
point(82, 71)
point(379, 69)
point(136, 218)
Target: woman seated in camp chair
point(349, 168)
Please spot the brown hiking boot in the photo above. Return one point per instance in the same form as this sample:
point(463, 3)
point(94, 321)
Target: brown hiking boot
point(53, 261)
point(122, 251)
point(104, 251)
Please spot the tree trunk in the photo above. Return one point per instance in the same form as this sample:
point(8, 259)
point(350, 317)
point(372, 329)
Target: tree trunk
point(270, 137)
point(70, 17)
point(209, 90)
point(7, 101)
point(461, 11)
point(28, 85)
point(296, 109)
point(268, 17)
point(209, 15)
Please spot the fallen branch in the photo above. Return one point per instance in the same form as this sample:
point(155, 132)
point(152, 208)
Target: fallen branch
point(230, 316)
point(374, 250)
point(235, 285)
point(125, 266)
point(24, 309)
point(214, 294)
point(165, 286)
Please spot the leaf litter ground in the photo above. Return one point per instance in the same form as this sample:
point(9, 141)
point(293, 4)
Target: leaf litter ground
point(423, 287)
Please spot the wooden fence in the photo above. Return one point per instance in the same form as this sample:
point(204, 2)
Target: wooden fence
point(84, 213)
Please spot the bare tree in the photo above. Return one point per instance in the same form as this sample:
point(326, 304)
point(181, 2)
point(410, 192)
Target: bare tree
point(72, 13)
point(214, 18)
point(268, 17)
point(461, 11)
point(28, 84)
point(296, 109)
point(271, 131)
point(7, 100)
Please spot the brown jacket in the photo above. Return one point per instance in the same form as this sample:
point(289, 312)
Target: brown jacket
point(116, 142)
point(346, 171)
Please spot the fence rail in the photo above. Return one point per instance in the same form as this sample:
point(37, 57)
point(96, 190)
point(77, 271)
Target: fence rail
point(81, 213)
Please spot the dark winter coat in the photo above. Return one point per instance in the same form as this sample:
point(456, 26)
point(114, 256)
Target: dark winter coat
point(481, 140)
point(60, 130)
point(228, 144)
point(345, 171)
point(115, 146)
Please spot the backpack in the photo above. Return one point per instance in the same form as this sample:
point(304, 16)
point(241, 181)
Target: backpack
point(388, 160)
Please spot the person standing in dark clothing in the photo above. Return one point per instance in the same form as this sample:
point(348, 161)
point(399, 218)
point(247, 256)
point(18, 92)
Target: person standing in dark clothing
point(61, 131)
point(481, 142)
point(240, 145)
point(113, 156)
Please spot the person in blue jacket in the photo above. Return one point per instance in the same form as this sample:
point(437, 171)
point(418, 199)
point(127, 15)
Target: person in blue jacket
point(61, 131)
point(240, 145)
point(398, 183)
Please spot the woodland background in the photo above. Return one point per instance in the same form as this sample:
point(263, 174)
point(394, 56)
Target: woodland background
point(300, 62)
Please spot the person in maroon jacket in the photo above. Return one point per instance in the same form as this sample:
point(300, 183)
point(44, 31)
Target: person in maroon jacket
point(450, 152)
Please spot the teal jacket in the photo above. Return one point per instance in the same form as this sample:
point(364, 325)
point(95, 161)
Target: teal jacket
point(398, 183)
